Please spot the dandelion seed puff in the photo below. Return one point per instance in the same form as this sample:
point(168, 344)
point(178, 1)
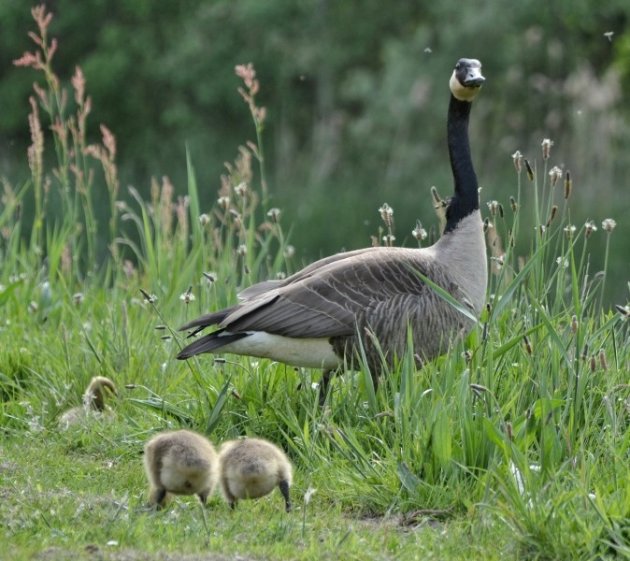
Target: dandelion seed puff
point(562, 262)
point(608, 224)
point(241, 250)
point(204, 219)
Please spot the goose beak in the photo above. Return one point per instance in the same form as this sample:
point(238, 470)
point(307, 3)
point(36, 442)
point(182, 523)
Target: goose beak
point(473, 78)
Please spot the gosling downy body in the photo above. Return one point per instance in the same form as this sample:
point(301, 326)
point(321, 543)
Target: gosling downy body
point(93, 402)
point(180, 463)
point(251, 468)
point(319, 316)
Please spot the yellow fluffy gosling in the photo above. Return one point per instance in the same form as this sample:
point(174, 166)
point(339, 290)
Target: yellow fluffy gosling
point(251, 468)
point(180, 462)
point(93, 402)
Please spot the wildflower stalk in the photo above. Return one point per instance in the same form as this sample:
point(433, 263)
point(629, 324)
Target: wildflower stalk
point(248, 75)
point(608, 225)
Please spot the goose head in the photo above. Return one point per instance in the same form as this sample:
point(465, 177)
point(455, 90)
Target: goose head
point(466, 79)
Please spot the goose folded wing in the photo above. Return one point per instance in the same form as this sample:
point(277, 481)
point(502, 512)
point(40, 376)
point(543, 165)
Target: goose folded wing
point(255, 290)
point(329, 303)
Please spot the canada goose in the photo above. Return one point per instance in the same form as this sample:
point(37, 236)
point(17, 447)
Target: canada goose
point(93, 402)
point(317, 317)
point(180, 462)
point(251, 468)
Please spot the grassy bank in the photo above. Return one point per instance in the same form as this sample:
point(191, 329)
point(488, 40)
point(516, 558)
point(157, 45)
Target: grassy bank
point(514, 445)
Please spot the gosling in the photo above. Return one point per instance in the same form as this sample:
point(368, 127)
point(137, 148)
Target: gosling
point(180, 462)
point(93, 402)
point(250, 468)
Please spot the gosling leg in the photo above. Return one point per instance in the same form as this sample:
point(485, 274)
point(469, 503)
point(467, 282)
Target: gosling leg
point(284, 489)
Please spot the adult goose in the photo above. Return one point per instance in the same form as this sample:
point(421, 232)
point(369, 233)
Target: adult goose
point(317, 317)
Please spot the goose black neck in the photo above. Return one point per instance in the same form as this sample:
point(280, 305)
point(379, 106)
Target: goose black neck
point(466, 198)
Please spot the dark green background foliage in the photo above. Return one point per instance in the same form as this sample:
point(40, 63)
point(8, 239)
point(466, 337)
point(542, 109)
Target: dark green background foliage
point(356, 93)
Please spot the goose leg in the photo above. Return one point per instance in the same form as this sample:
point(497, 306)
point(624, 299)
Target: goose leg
point(323, 385)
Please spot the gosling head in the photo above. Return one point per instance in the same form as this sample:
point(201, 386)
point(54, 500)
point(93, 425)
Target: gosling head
point(467, 79)
point(94, 396)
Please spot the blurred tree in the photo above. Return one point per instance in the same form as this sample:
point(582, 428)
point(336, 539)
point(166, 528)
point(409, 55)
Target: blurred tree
point(356, 94)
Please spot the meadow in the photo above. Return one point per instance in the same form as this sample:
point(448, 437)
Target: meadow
point(514, 445)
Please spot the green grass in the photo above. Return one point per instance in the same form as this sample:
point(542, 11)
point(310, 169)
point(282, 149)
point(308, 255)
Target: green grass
point(513, 445)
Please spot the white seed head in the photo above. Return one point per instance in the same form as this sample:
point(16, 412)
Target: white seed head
point(309, 495)
point(562, 262)
point(546, 148)
point(210, 276)
point(241, 250)
point(589, 228)
point(555, 173)
point(241, 189)
point(274, 214)
point(419, 232)
point(517, 158)
point(493, 207)
point(187, 297)
point(224, 202)
point(569, 230)
point(289, 252)
point(608, 224)
point(204, 219)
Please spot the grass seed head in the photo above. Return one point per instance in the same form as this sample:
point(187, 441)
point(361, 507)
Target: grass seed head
point(568, 184)
point(517, 158)
point(387, 214)
point(546, 148)
point(419, 233)
point(530, 171)
point(555, 173)
point(589, 228)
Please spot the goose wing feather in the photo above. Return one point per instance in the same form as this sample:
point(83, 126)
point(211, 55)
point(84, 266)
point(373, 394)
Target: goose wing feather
point(332, 300)
point(255, 290)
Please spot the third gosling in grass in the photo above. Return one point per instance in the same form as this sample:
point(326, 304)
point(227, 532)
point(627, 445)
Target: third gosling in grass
point(93, 402)
point(251, 468)
point(180, 462)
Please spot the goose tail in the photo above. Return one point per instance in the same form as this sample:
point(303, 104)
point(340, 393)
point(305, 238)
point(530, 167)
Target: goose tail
point(209, 343)
point(206, 320)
